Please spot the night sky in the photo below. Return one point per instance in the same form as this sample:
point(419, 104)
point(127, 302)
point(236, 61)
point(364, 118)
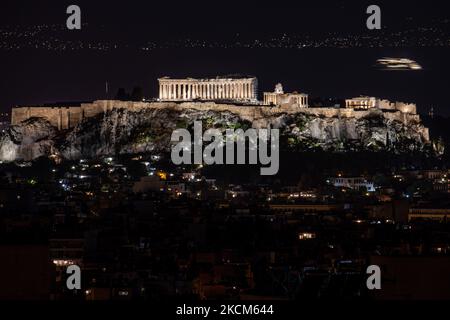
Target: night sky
point(131, 43)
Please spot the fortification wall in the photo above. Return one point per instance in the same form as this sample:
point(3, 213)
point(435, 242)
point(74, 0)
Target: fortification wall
point(59, 117)
point(400, 106)
point(18, 115)
point(53, 114)
point(75, 116)
point(406, 107)
point(69, 117)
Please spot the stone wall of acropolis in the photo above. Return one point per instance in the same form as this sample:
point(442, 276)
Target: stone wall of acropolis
point(68, 117)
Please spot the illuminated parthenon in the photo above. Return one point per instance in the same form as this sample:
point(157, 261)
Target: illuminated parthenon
point(220, 88)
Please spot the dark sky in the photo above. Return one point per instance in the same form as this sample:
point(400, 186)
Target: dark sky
point(212, 18)
point(35, 76)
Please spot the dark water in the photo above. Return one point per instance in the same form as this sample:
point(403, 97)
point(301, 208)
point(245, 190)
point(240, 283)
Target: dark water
point(35, 77)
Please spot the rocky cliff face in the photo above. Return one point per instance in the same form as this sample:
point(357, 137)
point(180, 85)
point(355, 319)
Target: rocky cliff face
point(30, 139)
point(122, 131)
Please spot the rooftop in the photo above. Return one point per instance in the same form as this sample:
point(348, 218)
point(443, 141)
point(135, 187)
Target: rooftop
point(228, 76)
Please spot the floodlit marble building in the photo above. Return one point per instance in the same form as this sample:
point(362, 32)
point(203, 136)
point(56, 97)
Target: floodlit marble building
point(362, 102)
point(278, 98)
point(231, 94)
point(240, 89)
point(365, 102)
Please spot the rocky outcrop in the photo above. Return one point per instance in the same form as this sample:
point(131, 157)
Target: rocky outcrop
point(125, 131)
point(29, 140)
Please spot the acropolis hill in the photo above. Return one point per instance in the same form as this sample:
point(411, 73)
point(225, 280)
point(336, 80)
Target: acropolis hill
point(69, 117)
point(236, 95)
point(111, 127)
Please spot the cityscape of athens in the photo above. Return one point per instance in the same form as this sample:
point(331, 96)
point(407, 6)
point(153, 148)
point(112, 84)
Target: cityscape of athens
point(199, 160)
